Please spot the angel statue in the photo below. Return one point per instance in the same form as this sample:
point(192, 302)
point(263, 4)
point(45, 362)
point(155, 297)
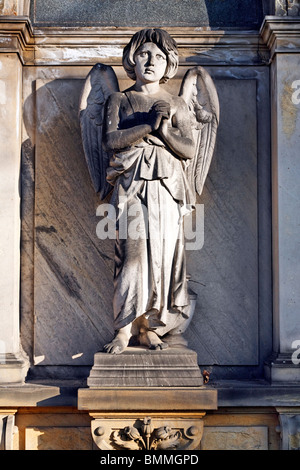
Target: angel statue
point(151, 150)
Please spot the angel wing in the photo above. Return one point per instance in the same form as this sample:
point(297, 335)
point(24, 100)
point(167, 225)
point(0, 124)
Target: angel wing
point(200, 94)
point(100, 83)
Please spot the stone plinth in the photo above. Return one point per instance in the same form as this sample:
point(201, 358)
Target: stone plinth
point(147, 400)
point(147, 418)
point(141, 367)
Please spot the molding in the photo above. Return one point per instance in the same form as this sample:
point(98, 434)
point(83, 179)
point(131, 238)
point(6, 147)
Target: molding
point(16, 36)
point(85, 46)
point(141, 399)
point(231, 394)
point(281, 34)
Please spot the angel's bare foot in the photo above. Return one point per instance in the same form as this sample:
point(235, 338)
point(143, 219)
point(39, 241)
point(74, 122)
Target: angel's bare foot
point(149, 338)
point(161, 345)
point(118, 344)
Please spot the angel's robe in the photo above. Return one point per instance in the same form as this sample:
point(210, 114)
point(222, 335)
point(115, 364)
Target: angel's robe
point(151, 195)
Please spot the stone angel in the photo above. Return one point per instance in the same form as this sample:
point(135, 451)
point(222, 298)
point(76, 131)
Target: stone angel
point(150, 151)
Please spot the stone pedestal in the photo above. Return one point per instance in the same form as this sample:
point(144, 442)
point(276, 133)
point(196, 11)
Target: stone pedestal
point(147, 418)
point(142, 367)
point(147, 400)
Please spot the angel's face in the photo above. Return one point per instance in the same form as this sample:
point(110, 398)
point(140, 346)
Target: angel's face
point(150, 63)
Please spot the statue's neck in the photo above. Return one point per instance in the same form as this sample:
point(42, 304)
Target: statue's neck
point(150, 88)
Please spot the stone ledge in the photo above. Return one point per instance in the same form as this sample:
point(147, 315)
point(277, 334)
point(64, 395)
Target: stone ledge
point(145, 398)
point(39, 394)
point(281, 34)
point(88, 45)
point(230, 394)
point(257, 394)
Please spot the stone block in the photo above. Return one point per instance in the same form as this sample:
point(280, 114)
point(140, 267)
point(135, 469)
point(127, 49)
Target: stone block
point(235, 438)
point(141, 367)
point(144, 399)
point(58, 438)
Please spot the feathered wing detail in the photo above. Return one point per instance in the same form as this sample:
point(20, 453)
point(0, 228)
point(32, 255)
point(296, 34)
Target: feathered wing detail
point(200, 94)
point(100, 83)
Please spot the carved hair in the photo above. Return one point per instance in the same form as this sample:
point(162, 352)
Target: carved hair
point(163, 41)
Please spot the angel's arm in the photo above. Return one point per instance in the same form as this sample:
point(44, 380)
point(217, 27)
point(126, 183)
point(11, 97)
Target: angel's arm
point(115, 138)
point(178, 134)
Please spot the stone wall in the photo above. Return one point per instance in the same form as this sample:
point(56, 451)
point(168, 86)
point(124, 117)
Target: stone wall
point(73, 268)
point(242, 14)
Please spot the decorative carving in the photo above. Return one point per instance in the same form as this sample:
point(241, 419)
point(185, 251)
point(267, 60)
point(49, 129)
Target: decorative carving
point(145, 145)
point(147, 434)
point(287, 7)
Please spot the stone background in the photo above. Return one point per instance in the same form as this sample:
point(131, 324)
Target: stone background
point(73, 269)
point(214, 13)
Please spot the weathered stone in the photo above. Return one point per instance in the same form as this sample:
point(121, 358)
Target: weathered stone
point(58, 438)
point(7, 429)
point(201, 13)
point(149, 433)
point(14, 366)
point(235, 438)
point(142, 399)
point(14, 7)
point(289, 428)
point(285, 175)
point(141, 367)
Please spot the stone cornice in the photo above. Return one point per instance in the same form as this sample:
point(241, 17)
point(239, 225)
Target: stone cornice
point(16, 35)
point(82, 46)
point(281, 34)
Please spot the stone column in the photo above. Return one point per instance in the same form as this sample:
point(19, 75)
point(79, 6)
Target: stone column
point(13, 366)
point(282, 34)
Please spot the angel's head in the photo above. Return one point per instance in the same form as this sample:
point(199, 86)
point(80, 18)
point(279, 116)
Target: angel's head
point(162, 40)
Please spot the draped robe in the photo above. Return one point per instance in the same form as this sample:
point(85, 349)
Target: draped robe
point(151, 196)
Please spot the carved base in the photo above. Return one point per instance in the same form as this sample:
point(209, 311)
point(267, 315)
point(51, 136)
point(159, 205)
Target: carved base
point(147, 418)
point(141, 367)
point(147, 433)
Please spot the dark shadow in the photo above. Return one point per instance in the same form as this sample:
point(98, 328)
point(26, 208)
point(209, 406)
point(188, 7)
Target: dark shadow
point(67, 271)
